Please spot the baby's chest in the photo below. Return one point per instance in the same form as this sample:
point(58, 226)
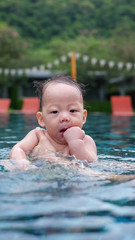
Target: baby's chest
point(63, 149)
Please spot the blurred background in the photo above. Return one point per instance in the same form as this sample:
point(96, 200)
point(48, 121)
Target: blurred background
point(37, 38)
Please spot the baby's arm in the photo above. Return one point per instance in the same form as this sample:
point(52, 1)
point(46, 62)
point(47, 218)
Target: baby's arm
point(80, 145)
point(26, 144)
point(18, 152)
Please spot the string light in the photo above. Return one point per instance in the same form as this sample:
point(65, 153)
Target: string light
point(56, 62)
point(120, 65)
point(85, 58)
point(128, 65)
point(111, 64)
point(93, 61)
point(102, 62)
point(63, 59)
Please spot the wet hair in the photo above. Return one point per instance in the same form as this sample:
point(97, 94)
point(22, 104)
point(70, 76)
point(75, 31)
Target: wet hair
point(41, 86)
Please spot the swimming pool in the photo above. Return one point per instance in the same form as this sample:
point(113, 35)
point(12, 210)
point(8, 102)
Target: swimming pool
point(58, 203)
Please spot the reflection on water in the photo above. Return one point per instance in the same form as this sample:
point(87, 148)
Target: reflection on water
point(4, 119)
point(30, 120)
point(121, 124)
point(59, 201)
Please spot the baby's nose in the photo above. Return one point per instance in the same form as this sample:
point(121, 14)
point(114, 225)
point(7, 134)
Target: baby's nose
point(64, 117)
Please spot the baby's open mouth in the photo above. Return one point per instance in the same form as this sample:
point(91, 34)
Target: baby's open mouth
point(63, 130)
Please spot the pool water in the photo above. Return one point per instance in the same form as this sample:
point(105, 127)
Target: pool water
point(56, 202)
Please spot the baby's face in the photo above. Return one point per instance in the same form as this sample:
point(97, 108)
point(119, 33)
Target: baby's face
point(62, 109)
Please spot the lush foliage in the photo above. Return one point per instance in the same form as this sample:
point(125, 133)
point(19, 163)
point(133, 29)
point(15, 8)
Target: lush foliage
point(12, 46)
point(43, 19)
point(35, 32)
point(96, 27)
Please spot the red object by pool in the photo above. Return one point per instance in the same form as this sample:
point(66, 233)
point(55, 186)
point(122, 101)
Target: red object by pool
point(121, 105)
point(30, 105)
point(4, 105)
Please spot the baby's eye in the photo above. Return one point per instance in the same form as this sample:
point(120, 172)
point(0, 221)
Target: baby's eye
point(73, 110)
point(54, 112)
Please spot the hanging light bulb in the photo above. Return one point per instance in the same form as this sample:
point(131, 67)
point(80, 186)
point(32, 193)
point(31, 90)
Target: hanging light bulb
point(128, 65)
point(6, 71)
point(20, 72)
point(70, 54)
point(49, 65)
point(102, 62)
point(85, 58)
point(27, 70)
point(77, 56)
point(93, 61)
point(13, 72)
point(56, 62)
point(42, 67)
point(63, 59)
point(111, 64)
point(120, 65)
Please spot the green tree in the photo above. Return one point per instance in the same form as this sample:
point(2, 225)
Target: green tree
point(12, 46)
point(12, 49)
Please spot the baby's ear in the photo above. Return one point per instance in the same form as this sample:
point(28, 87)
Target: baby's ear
point(84, 115)
point(40, 119)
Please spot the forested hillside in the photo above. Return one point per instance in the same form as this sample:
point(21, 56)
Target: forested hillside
point(38, 33)
point(47, 29)
point(44, 19)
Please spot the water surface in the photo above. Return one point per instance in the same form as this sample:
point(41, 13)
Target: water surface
point(59, 202)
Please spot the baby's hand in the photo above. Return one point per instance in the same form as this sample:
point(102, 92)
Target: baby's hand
point(73, 133)
point(23, 164)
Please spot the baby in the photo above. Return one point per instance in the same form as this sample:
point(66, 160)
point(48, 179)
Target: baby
point(62, 116)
